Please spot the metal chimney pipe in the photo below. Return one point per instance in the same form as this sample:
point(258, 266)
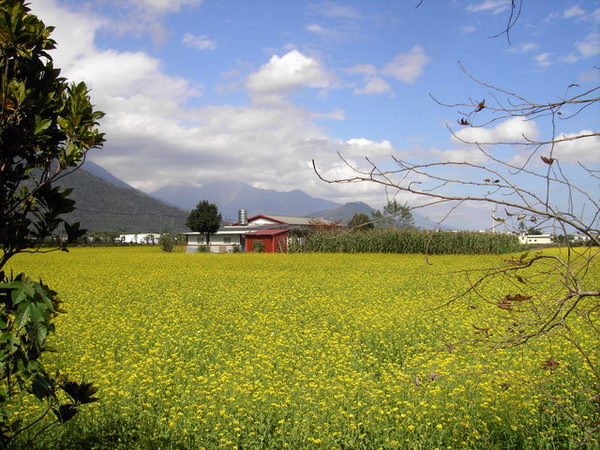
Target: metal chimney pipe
point(242, 217)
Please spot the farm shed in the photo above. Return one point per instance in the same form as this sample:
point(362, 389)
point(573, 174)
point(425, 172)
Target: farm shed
point(273, 240)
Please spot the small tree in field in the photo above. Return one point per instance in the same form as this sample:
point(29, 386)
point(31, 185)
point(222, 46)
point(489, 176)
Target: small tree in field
point(394, 215)
point(205, 219)
point(46, 128)
point(360, 222)
point(167, 242)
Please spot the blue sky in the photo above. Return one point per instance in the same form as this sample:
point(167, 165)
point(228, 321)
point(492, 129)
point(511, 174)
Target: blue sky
point(203, 90)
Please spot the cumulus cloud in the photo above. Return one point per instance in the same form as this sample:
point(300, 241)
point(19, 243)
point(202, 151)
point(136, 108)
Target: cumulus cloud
point(493, 6)
point(160, 7)
point(524, 47)
point(584, 49)
point(287, 73)
point(590, 46)
point(315, 28)
point(573, 11)
point(154, 138)
point(510, 130)
point(374, 86)
point(331, 9)
point(364, 69)
point(542, 60)
point(200, 42)
point(470, 154)
point(574, 149)
point(407, 67)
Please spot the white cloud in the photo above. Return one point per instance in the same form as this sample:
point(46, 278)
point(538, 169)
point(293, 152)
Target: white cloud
point(467, 29)
point(493, 6)
point(160, 7)
point(573, 11)
point(361, 147)
point(314, 28)
point(470, 154)
point(542, 60)
point(154, 138)
point(365, 69)
point(336, 114)
point(524, 47)
point(200, 42)
point(590, 46)
point(584, 150)
point(331, 9)
point(511, 130)
point(284, 74)
point(408, 66)
point(587, 48)
point(373, 86)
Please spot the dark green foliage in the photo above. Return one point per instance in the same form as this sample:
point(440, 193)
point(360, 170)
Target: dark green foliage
point(394, 216)
point(360, 222)
point(46, 128)
point(205, 219)
point(258, 247)
point(411, 241)
point(167, 242)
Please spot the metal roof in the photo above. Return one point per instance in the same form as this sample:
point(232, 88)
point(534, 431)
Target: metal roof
point(290, 220)
point(268, 232)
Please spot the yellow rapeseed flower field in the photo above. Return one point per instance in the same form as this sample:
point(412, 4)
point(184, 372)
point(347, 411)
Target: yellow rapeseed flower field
point(298, 351)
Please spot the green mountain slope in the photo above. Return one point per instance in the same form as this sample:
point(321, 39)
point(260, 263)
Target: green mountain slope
point(102, 206)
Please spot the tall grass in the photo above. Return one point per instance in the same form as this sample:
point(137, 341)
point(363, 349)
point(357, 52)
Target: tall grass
point(409, 241)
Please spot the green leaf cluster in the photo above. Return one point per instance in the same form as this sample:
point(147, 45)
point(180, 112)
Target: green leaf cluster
point(46, 128)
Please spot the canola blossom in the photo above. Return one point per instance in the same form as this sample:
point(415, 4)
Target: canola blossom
point(298, 351)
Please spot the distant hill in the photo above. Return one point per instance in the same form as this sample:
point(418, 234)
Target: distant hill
point(233, 196)
point(344, 213)
point(103, 205)
point(101, 172)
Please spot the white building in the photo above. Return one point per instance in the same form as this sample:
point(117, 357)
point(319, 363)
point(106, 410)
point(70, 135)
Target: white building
point(528, 239)
point(228, 239)
point(580, 238)
point(139, 238)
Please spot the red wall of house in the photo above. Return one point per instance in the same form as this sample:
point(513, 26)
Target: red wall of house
point(273, 244)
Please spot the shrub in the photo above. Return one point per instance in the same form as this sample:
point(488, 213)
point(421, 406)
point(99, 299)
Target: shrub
point(167, 242)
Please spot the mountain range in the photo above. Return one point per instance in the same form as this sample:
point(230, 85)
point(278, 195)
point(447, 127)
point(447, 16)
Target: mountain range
point(106, 203)
point(233, 196)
